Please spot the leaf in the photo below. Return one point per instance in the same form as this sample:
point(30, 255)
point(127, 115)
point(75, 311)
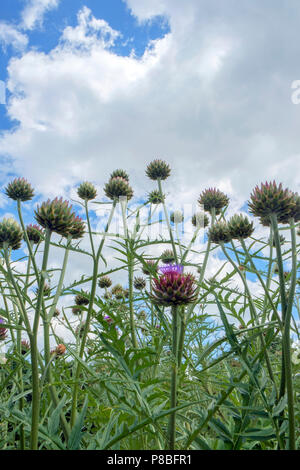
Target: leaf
point(280, 406)
point(76, 433)
point(53, 422)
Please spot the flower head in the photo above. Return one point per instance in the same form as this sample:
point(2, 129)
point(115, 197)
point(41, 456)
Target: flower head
point(10, 233)
point(176, 217)
point(167, 257)
point(25, 346)
point(3, 331)
point(240, 226)
point(19, 190)
point(158, 170)
point(150, 268)
point(87, 191)
point(82, 299)
point(118, 187)
point(35, 233)
point(76, 230)
point(104, 282)
point(173, 287)
point(200, 219)
point(108, 319)
point(155, 197)
point(213, 198)
point(119, 173)
point(139, 283)
point(59, 350)
point(56, 215)
point(271, 199)
point(219, 233)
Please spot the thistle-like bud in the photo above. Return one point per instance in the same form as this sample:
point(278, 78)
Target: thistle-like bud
point(46, 290)
point(158, 170)
point(118, 291)
point(104, 282)
point(270, 199)
point(3, 331)
point(155, 197)
point(87, 191)
point(107, 295)
point(56, 313)
point(81, 299)
point(59, 350)
point(25, 346)
point(200, 219)
point(213, 198)
point(177, 217)
point(151, 267)
point(219, 233)
point(56, 216)
point(120, 174)
point(167, 257)
point(35, 233)
point(10, 233)
point(118, 187)
point(19, 190)
point(142, 315)
point(240, 226)
point(173, 287)
point(295, 211)
point(139, 283)
point(108, 319)
point(76, 310)
point(77, 230)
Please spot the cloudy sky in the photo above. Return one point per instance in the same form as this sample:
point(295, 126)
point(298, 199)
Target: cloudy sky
point(207, 85)
point(204, 84)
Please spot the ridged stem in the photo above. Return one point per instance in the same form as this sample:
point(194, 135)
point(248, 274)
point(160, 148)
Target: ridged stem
point(174, 374)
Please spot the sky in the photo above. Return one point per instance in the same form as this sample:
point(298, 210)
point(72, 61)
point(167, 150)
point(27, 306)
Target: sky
point(206, 85)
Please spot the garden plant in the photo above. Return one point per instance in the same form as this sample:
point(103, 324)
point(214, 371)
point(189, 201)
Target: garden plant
point(173, 358)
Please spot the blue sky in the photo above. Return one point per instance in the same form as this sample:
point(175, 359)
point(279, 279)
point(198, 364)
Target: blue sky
point(208, 89)
point(46, 36)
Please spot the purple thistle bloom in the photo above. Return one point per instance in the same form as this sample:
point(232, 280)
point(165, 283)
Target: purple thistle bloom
point(172, 268)
point(108, 319)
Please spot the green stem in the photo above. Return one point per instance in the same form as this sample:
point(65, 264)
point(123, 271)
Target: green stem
point(174, 373)
point(89, 315)
point(276, 236)
point(168, 222)
point(34, 349)
point(287, 342)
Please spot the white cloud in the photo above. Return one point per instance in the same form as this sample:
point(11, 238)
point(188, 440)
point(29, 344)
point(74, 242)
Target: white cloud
point(34, 11)
point(90, 32)
point(10, 36)
point(212, 97)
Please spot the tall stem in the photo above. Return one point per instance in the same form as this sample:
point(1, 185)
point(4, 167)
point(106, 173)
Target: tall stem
point(89, 315)
point(174, 374)
point(34, 349)
point(168, 222)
